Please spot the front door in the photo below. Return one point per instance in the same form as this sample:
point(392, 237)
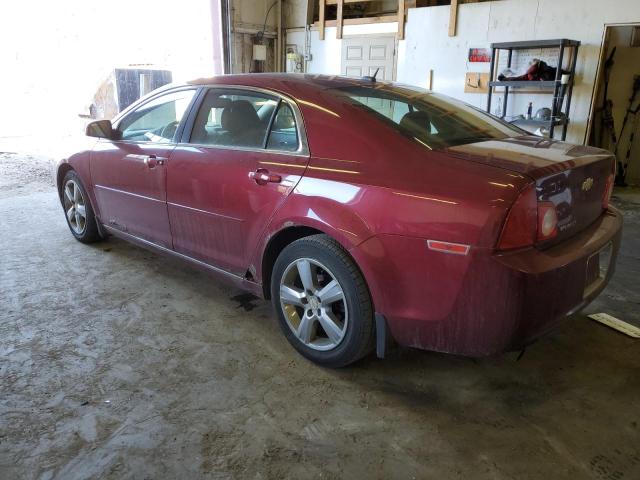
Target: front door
point(129, 174)
point(240, 160)
point(363, 55)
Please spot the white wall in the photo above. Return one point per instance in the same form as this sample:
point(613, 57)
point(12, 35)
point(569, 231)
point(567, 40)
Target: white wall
point(428, 46)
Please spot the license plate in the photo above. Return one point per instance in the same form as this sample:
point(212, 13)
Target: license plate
point(597, 268)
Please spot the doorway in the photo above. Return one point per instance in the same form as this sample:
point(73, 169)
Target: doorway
point(615, 122)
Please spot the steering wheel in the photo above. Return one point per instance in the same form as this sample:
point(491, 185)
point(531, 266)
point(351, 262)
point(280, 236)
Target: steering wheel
point(169, 130)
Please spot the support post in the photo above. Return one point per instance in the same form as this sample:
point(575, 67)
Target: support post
point(556, 93)
point(492, 77)
point(574, 60)
point(321, 19)
point(401, 9)
point(279, 40)
point(339, 19)
point(453, 18)
point(506, 89)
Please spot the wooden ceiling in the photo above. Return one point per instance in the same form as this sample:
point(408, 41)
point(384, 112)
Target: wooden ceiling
point(328, 7)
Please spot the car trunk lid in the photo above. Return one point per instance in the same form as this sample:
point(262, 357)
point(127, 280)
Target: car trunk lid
point(572, 177)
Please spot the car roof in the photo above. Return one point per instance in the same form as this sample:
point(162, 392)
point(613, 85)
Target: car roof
point(298, 86)
point(293, 84)
point(265, 79)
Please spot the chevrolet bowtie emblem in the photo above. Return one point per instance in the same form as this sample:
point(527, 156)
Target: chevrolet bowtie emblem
point(587, 184)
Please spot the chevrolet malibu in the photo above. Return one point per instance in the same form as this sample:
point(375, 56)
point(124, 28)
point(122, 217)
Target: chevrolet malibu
point(368, 212)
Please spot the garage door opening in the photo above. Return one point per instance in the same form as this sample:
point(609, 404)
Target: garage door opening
point(615, 120)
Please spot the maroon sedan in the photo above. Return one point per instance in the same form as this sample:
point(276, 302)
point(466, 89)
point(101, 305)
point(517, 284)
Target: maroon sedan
point(367, 211)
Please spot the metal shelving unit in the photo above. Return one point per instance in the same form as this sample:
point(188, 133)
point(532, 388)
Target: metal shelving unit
point(559, 93)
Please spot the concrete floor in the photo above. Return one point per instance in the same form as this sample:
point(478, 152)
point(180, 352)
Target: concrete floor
point(118, 363)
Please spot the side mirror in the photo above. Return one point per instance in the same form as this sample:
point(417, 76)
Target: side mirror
point(100, 129)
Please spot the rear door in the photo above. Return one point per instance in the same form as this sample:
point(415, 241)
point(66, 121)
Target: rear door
point(242, 154)
point(129, 174)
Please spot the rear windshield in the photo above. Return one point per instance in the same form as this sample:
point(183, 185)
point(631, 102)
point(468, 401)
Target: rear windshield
point(434, 120)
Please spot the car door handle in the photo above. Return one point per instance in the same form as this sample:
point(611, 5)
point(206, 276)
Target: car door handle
point(262, 177)
point(152, 161)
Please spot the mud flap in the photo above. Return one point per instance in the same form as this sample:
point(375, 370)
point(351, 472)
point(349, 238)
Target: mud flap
point(381, 335)
point(101, 230)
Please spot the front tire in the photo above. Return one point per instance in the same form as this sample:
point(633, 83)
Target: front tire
point(78, 211)
point(322, 301)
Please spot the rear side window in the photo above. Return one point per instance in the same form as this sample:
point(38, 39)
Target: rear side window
point(434, 120)
point(233, 118)
point(284, 134)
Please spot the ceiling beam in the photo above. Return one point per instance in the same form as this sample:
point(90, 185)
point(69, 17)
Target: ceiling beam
point(360, 21)
point(335, 2)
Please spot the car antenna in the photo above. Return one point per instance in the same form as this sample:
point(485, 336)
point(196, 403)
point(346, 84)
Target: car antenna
point(372, 78)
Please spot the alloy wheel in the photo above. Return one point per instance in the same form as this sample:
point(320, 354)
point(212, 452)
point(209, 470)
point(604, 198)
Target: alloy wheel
point(75, 207)
point(314, 304)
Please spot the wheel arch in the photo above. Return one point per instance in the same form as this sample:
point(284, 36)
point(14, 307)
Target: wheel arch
point(284, 237)
point(278, 242)
point(63, 169)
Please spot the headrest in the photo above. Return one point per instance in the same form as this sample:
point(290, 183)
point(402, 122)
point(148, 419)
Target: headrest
point(417, 123)
point(218, 102)
point(238, 116)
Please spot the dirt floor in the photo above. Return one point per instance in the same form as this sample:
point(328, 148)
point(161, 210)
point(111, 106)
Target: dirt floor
point(118, 363)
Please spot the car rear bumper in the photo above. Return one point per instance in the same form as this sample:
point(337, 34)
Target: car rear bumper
point(485, 303)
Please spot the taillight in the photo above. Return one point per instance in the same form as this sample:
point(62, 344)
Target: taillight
point(528, 222)
point(522, 221)
point(547, 221)
point(608, 190)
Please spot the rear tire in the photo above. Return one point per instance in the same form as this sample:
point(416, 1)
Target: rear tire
point(322, 301)
point(78, 210)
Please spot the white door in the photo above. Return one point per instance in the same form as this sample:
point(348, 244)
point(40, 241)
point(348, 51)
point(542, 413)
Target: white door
point(363, 55)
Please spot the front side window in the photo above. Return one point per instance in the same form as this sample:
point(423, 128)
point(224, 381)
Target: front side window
point(434, 120)
point(283, 134)
point(157, 120)
point(234, 118)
